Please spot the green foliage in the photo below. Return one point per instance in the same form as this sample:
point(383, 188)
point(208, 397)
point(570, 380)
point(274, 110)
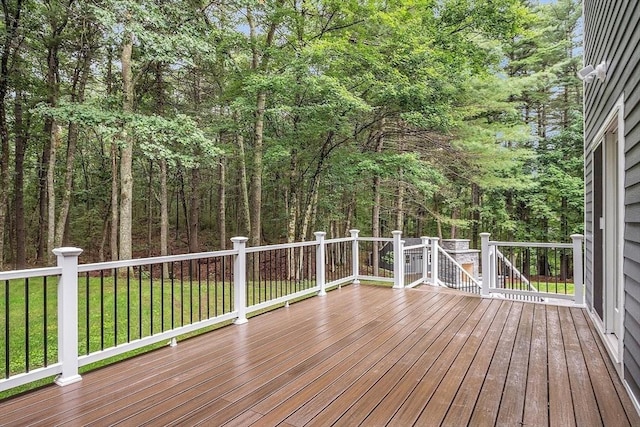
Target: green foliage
point(465, 113)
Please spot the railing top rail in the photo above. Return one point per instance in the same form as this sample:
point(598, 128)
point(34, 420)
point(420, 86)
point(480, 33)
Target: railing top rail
point(375, 239)
point(339, 240)
point(83, 268)
point(281, 246)
point(532, 244)
point(420, 246)
point(29, 273)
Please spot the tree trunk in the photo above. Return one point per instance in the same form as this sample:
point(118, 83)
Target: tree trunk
point(18, 185)
point(377, 199)
point(43, 170)
point(56, 139)
point(292, 211)
point(400, 204)
point(244, 187)
point(455, 213)
point(475, 215)
point(256, 178)
point(79, 84)
point(150, 210)
point(194, 213)
point(115, 221)
point(258, 135)
point(11, 24)
point(436, 212)
point(164, 215)
point(222, 204)
point(126, 154)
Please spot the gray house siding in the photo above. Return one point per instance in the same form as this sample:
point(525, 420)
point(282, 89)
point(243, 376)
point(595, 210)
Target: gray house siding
point(612, 33)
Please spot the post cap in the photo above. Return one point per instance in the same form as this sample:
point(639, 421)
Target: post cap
point(319, 234)
point(239, 239)
point(67, 251)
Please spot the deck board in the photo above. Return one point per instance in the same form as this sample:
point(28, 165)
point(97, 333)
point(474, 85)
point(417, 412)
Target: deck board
point(362, 355)
point(537, 377)
point(584, 401)
point(561, 405)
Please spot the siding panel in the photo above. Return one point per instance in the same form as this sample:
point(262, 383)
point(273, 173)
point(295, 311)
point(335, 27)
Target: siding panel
point(612, 33)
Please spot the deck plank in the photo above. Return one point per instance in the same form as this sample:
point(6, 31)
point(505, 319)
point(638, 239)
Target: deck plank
point(609, 402)
point(536, 414)
point(361, 355)
point(488, 404)
point(625, 401)
point(561, 405)
point(584, 401)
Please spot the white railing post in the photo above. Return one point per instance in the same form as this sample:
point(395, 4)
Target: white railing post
point(435, 244)
point(486, 265)
point(68, 315)
point(355, 256)
point(398, 260)
point(578, 274)
point(320, 262)
point(240, 279)
point(425, 256)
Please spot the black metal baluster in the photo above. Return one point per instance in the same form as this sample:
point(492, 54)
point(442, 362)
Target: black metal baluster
point(86, 313)
point(150, 299)
point(26, 324)
point(44, 322)
point(172, 296)
point(269, 267)
point(6, 329)
point(223, 267)
point(190, 292)
point(555, 263)
point(208, 290)
point(215, 284)
point(162, 297)
point(139, 301)
point(115, 273)
point(231, 280)
point(198, 275)
point(181, 294)
point(253, 279)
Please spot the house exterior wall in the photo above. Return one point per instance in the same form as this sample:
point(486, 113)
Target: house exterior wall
point(612, 34)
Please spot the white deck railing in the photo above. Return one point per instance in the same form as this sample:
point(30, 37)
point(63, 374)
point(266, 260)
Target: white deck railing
point(58, 319)
point(534, 271)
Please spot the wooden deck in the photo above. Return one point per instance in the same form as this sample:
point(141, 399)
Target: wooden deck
point(361, 355)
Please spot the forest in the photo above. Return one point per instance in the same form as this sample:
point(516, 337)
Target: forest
point(152, 127)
